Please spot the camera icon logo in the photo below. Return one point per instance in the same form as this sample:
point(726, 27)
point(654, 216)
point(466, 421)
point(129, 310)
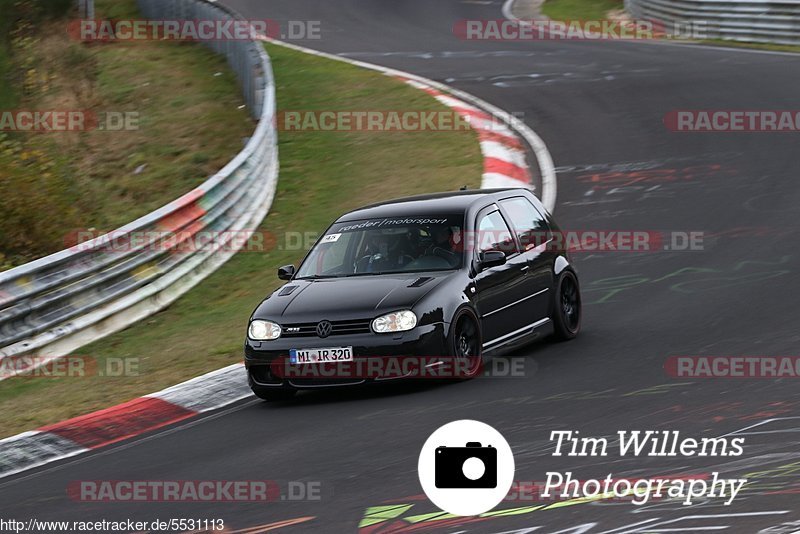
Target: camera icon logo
point(466, 467)
point(472, 466)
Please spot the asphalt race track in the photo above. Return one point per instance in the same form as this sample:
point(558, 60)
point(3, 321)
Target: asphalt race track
point(599, 107)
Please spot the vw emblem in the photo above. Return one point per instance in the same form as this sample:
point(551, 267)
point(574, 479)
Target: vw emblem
point(324, 328)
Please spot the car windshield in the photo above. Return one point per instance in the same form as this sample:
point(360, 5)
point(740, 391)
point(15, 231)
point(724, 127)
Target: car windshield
point(387, 245)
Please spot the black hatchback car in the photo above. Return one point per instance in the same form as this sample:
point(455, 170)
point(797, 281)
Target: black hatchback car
point(430, 285)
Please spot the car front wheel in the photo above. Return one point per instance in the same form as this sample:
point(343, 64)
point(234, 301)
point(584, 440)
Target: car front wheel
point(465, 343)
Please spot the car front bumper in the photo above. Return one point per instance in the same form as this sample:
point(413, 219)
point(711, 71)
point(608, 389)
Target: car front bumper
point(376, 358)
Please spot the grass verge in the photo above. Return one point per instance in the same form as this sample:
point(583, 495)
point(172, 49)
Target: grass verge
point(580, 9)
point(323, 173)
point(184, 98)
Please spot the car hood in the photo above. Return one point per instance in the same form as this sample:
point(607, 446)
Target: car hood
point(358, 297)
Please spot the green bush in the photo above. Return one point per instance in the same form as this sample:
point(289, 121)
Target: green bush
point(38, 203)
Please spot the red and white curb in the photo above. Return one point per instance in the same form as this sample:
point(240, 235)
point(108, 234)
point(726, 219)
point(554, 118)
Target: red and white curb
point(133, 418)
point(504, 161)
point(504, 165)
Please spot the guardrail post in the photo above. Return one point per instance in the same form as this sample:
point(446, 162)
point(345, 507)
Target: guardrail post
point(86, 9)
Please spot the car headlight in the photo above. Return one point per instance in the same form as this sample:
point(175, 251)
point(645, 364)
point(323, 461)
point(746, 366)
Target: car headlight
point(395, 322)
point(263, 330)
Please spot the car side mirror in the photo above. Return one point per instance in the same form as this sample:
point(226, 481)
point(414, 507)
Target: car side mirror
point(286, 272)
point(490, 258)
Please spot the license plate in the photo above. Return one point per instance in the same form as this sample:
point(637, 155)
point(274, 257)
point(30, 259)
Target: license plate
point(335, 354)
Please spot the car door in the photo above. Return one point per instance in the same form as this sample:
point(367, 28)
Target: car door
point(535, 239)
point(500, 291)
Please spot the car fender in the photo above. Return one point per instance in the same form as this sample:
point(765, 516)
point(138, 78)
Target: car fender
point(444, 301)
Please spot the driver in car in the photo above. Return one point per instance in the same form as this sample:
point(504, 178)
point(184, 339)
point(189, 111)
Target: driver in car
point(384, 252)
point(443, 244)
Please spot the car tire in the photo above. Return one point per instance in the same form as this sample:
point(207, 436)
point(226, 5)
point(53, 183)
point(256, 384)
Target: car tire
point(465, 343)
point(273, 394)
point(567, 311)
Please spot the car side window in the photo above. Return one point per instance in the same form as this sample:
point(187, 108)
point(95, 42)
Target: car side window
point(494, 234)
point(529, 225)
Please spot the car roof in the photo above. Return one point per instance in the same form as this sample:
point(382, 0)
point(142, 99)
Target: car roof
point(450, 202)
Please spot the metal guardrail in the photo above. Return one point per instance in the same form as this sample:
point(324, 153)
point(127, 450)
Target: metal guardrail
point(53, 305)
point(86, 9)
point(764, 21)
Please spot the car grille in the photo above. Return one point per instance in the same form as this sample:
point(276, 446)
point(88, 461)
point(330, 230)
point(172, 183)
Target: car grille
point(340, 328)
